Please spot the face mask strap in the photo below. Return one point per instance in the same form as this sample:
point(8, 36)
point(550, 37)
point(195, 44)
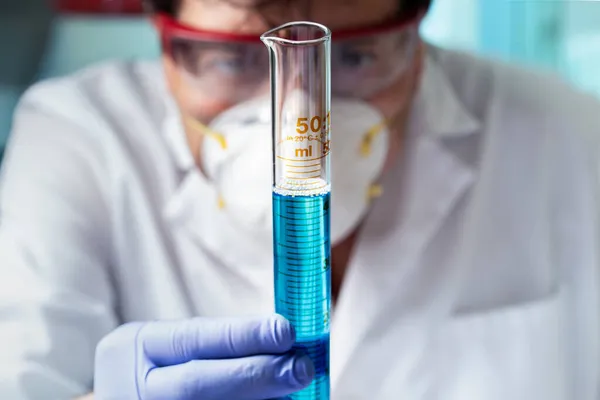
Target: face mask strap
point(367, 142)
point(375, 190)
point(206, 131)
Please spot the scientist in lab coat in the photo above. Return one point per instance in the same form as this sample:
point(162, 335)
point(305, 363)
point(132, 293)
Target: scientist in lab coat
point(136, 247)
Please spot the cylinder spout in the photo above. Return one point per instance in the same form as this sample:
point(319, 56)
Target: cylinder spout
point(296, 34)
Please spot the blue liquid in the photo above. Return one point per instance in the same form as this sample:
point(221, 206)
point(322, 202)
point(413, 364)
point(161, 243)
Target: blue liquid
point(303, 279)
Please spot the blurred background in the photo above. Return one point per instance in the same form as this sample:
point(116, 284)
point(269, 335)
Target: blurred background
point(39, 39)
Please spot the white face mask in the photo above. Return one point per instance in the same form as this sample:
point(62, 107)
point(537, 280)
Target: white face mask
point(237, 157)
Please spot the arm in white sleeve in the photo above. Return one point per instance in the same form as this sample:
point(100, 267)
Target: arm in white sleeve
point(56, 297)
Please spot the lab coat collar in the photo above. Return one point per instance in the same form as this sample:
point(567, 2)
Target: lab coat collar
point(174, 132)
point(438, 105)
point(193, 208)
point(386, 284)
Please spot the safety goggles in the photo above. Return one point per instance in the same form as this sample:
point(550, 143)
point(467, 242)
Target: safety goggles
point(235, 67)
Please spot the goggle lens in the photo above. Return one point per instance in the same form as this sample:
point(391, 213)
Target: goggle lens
point(232, 68)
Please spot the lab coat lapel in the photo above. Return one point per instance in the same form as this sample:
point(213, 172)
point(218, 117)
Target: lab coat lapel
point(418, 196)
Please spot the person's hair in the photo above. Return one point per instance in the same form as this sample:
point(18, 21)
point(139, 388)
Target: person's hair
point(171, 6)
point(162, 6)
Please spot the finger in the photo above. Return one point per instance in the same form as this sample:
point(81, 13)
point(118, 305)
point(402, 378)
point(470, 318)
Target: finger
point(169, 343)
point(249, 378)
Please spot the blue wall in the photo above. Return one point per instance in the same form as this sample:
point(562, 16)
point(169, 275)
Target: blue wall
point(73, 43)
point(80, 41)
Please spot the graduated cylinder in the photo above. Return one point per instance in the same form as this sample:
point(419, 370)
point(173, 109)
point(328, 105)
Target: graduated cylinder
point(300, 65)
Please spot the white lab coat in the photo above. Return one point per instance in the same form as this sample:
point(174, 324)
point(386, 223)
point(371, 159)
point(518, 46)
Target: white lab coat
point(476, 276)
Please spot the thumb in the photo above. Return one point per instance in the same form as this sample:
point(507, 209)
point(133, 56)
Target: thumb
point(170, 343)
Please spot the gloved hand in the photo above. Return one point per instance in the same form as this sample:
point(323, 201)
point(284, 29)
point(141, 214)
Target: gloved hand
point(201, 358)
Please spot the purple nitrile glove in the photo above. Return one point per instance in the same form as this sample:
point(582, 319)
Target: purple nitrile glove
point(200, 358)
